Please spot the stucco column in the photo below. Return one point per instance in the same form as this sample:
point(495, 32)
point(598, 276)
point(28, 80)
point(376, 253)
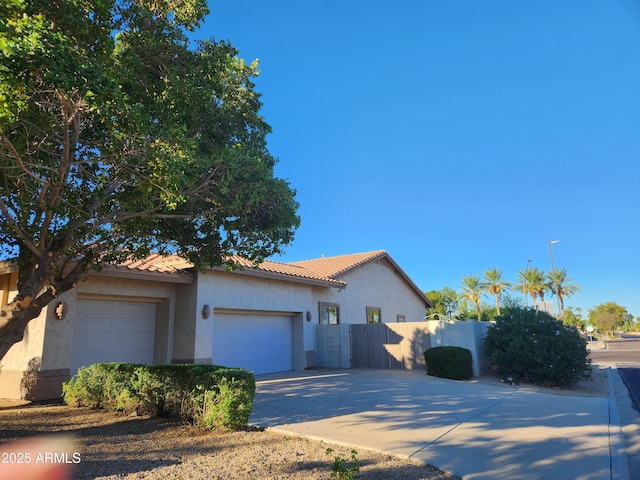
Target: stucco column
point(203, 341)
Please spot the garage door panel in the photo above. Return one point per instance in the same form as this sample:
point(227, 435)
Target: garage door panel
point(94, 307)
point(113, 331)
point(86, 360)
point(133, 357)
point(91, 325)
point(131, 343)
point(135, 309)
point(133, 325)
point(260, 343)
point(88, 345)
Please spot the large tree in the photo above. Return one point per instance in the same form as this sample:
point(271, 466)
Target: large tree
point(534, 282)
point(472, 290)
point(118, 137)
point(495, 284)
point(609, 316)
point(560, 284)
point(445, 302)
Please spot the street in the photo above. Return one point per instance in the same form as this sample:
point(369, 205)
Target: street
point(624, 355)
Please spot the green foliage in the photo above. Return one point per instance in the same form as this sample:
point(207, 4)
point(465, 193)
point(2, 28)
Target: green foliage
point(561, 286)
point(573, 316)
point(228, 405)
point(449, 362)
point(531, 346)
point(495, 284)
point(533, 281)
point(86, 388)
point(119, 137)
point(472, 290)
point(341, 470)
point(208, 395)
point(445, 302)
point(610, 316)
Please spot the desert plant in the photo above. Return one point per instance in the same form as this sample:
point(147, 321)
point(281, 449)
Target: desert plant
point(449, 362)
point(340, 470)
point(532, 346)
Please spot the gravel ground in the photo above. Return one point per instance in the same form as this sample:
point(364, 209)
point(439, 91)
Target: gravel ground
point(113, 446)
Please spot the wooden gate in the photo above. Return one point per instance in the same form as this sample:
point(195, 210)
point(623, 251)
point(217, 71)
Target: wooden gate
point(394, 346)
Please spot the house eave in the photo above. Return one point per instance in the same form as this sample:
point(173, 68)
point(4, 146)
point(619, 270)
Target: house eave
point(8, 266)
point(182, 277)
point(286, 278)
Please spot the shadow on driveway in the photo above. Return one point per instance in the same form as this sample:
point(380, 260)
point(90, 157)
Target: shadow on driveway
point(470, 429)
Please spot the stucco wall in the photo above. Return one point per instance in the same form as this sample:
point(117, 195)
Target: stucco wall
point(42, 358)
point(184, 325)
point(232, 290)
point(136, 289)
point(467, 334)
point(375, 284)
point(31, 345)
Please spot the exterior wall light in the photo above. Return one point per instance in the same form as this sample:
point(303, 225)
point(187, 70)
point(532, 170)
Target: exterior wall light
point(308, 316)
point(60, 311)
point(206, 312)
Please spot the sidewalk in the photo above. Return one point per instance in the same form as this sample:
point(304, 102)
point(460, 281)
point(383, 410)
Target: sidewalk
point(473, 430)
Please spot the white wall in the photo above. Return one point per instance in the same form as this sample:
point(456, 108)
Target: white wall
point(466, 334)
point(46, 347)
point(375, 284)
point(334, 342)
point(237, 291)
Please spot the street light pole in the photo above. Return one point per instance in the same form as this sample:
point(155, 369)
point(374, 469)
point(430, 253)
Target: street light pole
point(553, 273)
point(524, 282)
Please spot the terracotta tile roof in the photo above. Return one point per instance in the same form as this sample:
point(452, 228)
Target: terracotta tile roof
point(174, 264)
point(326, 270)
point(157, 263)
point(333, 267)
point(288, 269)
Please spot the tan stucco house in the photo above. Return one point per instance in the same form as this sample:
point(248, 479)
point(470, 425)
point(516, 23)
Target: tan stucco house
point(161, 310)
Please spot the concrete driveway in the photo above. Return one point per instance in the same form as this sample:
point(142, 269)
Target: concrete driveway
point(470, 429)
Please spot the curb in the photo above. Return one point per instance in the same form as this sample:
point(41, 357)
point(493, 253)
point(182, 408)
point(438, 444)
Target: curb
point(618, 466)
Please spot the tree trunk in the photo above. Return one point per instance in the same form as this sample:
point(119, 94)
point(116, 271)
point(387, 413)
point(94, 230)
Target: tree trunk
point(37, 287)
point(13, 322)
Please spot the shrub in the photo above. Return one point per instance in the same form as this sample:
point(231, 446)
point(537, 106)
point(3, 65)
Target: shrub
point(85, 389)
point(449, 362)
point(532, 346)
point(208, 395)
point(227, 406)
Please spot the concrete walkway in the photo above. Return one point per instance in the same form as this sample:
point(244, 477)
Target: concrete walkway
point(470, 429)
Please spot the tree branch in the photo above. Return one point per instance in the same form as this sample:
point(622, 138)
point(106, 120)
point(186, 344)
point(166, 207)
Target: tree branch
point(18, 158)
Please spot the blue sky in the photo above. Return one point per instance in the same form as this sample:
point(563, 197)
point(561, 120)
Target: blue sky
point(457, 135)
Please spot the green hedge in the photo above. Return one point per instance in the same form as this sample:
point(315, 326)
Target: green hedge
point(207, 395)
point(527, 345)
point(449, 362)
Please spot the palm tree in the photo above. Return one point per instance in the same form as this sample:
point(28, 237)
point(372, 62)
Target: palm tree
point(536, 283)
point(560, 286)
point(472, 290)
point(495, 284)
point(523, 284)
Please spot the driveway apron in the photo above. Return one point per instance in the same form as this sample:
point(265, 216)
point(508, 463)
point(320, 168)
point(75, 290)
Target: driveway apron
point(470, 429)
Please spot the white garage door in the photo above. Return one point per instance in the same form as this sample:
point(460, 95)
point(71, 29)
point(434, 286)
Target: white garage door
point(113, 331)
point(257, 342)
